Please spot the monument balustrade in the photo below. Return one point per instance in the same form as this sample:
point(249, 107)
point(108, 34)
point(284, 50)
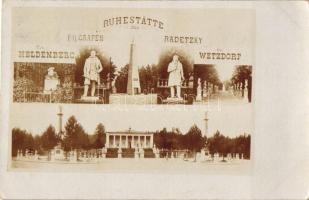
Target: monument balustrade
point(163, 83)
point(37, 97)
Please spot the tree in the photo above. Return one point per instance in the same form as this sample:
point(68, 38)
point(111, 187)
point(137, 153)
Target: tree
point(99, 136)
point(160, 139)
point(213, 143)
point(122, 79)
point(240, 75)
point(18, 138)
point(75, 135)
point(49, 138)
point(22, 140)
point(224, 145)
point(242, 145)
point(194, 139)
point(37, 144)
point(242, 72)
point(148, 76)
point(208, 73)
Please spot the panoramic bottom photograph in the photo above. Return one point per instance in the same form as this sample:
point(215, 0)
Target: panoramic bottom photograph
point(114, 139)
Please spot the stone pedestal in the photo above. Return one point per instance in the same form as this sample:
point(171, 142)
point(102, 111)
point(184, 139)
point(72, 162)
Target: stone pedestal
point(138, 99)
point(203, 156)
point(96, 157)
point(89, 98)
point(114, 89)
point(104, 150)
point(199, 96)
point(229, 156)
point(216, 157)
point(141, 153)
point(198, 157)
point(208, 157)
point(50, 85)
point(80, 156)
point(119, 153)
point(136, 154)
point(52, 155)
point(174, 100)
point(156, 152)
point(73, 156)
point(18, 155)
point(36, 156)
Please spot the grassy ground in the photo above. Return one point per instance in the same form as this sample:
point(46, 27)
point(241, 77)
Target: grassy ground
point(129, 165)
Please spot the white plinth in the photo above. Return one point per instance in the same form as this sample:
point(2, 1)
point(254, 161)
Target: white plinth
point(51, 84)
point(89, 98)
point(174, 100)
point(199, 98)
point(133, 99)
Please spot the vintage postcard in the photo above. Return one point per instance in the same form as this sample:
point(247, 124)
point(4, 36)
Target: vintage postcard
point(154, 100)
point(113, 89)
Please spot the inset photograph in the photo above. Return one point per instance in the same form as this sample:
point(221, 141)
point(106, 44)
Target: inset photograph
point(93, 78)
point(85, 138)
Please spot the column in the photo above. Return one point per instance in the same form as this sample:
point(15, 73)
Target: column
point(114, 141)
point(107, 141)
point(127, 146)
point(133, 141)
point(120, 141)
point(151, 141)
point(144, 141)
point(139, 141)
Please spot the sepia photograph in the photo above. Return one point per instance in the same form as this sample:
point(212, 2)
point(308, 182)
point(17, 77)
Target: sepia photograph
point(83, 138)
point(135, 57)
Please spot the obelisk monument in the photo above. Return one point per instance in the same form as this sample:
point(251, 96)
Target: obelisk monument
point(133, 86)
point(60, 114)
point(206, 124)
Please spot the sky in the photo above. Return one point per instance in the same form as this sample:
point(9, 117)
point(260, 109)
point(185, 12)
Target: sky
point(221, 30)
point(229, 120)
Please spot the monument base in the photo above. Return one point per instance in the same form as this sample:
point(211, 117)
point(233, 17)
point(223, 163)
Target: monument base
point(47, 91)
point(174, 100)
point(89, 99)
point(51, 84)
point(198, 98)
point(133, 99)
point(200, 102)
